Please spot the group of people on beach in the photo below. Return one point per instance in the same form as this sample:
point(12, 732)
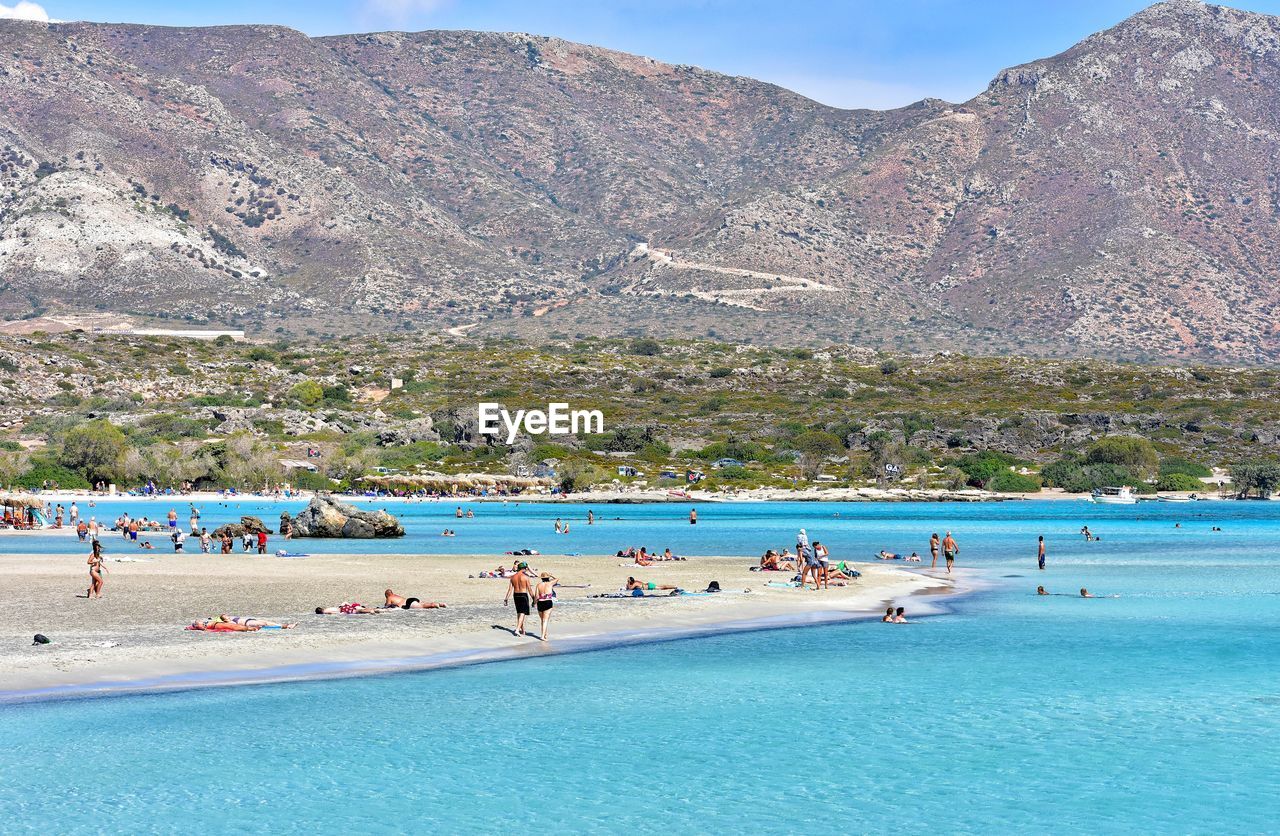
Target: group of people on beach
point(643, 557)
point(528, 591)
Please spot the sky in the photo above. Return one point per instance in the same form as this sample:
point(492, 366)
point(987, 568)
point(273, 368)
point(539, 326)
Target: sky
point(855, 53)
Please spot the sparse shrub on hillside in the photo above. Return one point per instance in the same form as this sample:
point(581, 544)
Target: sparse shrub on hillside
point(95, 450)
point(1137, 455)
point(45, 472)
point(1179, 482)
point(1173, 465)
point(983, 467)
point(646, 347)
point(306, 392)
point(1006, 481)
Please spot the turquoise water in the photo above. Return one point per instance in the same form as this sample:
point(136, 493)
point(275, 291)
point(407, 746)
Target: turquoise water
point(850, 530)
point(1155, 712)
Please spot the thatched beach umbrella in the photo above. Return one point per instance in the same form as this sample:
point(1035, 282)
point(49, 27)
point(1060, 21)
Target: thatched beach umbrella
point(19, 500)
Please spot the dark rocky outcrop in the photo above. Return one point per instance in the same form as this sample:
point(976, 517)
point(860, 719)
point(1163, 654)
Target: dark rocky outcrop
point(325, 516)
point(248, 525)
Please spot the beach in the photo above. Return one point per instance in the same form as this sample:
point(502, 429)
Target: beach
point(615, 495)
point(133, 637)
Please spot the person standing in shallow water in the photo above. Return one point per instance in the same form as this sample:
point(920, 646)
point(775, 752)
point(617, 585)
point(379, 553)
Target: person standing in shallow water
point(1040, 555)
point(693, 516)
point(934, 545)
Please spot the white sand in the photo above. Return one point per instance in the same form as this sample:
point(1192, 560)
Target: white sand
point(134, 633)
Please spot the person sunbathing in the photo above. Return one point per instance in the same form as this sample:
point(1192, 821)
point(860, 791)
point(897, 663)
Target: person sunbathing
point(884, 555)
point(249, 621)
point(667, 555)
point(633, 584)
point(347, 608)
point(216, 625)
point(838, 574)
point(394, 601)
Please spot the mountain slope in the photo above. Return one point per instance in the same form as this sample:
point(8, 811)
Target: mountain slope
point(1119, 199)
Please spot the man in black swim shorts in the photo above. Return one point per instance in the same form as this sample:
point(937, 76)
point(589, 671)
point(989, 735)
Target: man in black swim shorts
point(520, 589)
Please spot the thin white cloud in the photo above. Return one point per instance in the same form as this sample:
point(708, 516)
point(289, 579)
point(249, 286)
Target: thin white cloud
point(860, 92)
point(24, 10)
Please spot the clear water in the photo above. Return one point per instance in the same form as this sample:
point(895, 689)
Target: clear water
point(1154, 712)
point(850, 530)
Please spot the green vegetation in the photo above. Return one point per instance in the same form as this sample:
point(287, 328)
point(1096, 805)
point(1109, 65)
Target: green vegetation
point(95, 449)
point(1179, 482)
point(1256, 478)
point(981, 469)
point(45, 473)
point(307, 393)
point(787, 415)
point(1137, 456)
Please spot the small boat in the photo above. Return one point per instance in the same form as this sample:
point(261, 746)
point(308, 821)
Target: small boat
point(1191, 498)
point(1114, 496)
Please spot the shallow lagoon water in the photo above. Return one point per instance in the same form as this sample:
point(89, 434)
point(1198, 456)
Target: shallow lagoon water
point(1156, 711)
point(850, 530)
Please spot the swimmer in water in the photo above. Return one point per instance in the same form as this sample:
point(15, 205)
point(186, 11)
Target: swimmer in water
point(1084, 593)
point(888, 616)
point(1040, 591)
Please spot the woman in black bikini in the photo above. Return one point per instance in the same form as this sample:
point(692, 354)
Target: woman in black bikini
point(544, 594)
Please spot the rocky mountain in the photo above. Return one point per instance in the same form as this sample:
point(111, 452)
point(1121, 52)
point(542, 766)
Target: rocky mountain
point(1119, 199)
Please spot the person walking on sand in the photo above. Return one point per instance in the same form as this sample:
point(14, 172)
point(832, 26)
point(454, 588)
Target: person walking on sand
point(934, 545)
point(1040, 555)
point(520, 591)
point(545, 592)
point(949, 550)
point(262, 542)
point(96, 570)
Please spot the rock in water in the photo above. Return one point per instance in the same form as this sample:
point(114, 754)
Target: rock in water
point(327, 517)
point(248, 525)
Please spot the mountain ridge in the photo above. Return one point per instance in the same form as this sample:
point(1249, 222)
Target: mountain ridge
point(403, 180)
